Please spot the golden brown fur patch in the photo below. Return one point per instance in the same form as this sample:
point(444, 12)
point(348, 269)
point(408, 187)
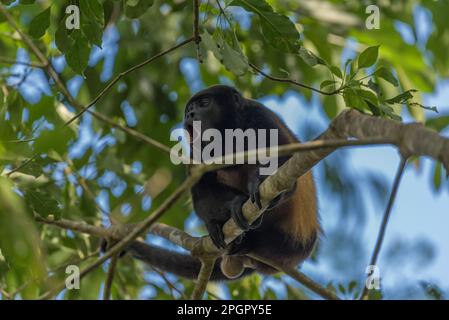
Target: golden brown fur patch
point(301, 221)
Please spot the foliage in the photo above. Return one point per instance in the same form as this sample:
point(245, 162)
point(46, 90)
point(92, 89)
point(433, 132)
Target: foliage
point(82, 171)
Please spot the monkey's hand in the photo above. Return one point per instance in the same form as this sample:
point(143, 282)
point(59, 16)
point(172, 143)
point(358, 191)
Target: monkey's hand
point(253, 189)
point(237, 214)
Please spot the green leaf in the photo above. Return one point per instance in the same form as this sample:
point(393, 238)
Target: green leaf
point(208, 43)
point(330, 106)
point(430, 108)
point(367, 95)
point(353, 100)
point(438, 123)
point(309, 57)
point(43, 203)
point(92, 10)
point(56, 140)
point(389, 112)
point(279, 30)
point(78, 55)
point(93, 32)
point(327, 83)
point(368, 57)
point(234, 60)
point(32, 168)
point(14, 106)
point(402, 98)
point(385, 74)
point(44, 108)
point(92, 21)
point(40, 24)
point(136, 8)
point(19, 241)
point(27, 1)
point(437, 176)
point(63, 40)
point(374, 86)
point(336, 71)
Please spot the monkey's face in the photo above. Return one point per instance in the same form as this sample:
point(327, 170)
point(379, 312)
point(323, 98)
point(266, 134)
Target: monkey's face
point(217, 107)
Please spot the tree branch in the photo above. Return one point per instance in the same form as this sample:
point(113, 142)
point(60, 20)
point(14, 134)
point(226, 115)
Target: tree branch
point(196, 29)
point(110, 277)
point(24, 63)
point(300, 277)
point(207, 266)
point(293, 82)
point(385, 219)
point(125, 73)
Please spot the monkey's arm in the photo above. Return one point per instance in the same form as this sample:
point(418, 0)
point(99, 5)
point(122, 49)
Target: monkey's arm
point(215, 203)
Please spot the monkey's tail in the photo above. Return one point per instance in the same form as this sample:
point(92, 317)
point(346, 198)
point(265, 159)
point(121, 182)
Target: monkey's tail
point(180, 264)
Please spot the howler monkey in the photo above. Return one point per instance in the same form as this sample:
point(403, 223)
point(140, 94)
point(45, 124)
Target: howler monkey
point(290, 226)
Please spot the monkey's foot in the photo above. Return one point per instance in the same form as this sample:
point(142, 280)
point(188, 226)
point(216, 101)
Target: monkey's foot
point(237, 215)
point(215, 230)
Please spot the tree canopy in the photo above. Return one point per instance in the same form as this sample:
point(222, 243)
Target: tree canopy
point(86, 113)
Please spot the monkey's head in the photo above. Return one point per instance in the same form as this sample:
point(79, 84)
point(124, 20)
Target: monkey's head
point(217, 107)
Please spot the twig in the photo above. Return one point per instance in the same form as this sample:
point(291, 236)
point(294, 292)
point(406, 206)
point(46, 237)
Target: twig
point(82, 227)
point(300, 277)
point(385, 219)
point(5, 293)
point(296, 83)
point(24, 63)
point(169, 284)
point(125, 73)
point(110, 277)
point(196, 29)
point(207, 266)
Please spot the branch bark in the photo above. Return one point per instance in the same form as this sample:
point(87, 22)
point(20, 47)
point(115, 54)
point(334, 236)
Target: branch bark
point(207, 266)
point(110, 277)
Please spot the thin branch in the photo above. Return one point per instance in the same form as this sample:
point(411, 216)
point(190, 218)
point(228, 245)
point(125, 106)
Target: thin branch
point(77, 226)
point(125, 73)
point(300, 277)
point(293, 82)
point(5, 293)
point(110, 277)
point(196, 29)
point(24, 63)
point(385, 219)
point(169, 284)
point(207, 266)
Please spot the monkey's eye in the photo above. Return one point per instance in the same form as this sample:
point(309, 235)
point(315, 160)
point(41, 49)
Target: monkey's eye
point(203, 102)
